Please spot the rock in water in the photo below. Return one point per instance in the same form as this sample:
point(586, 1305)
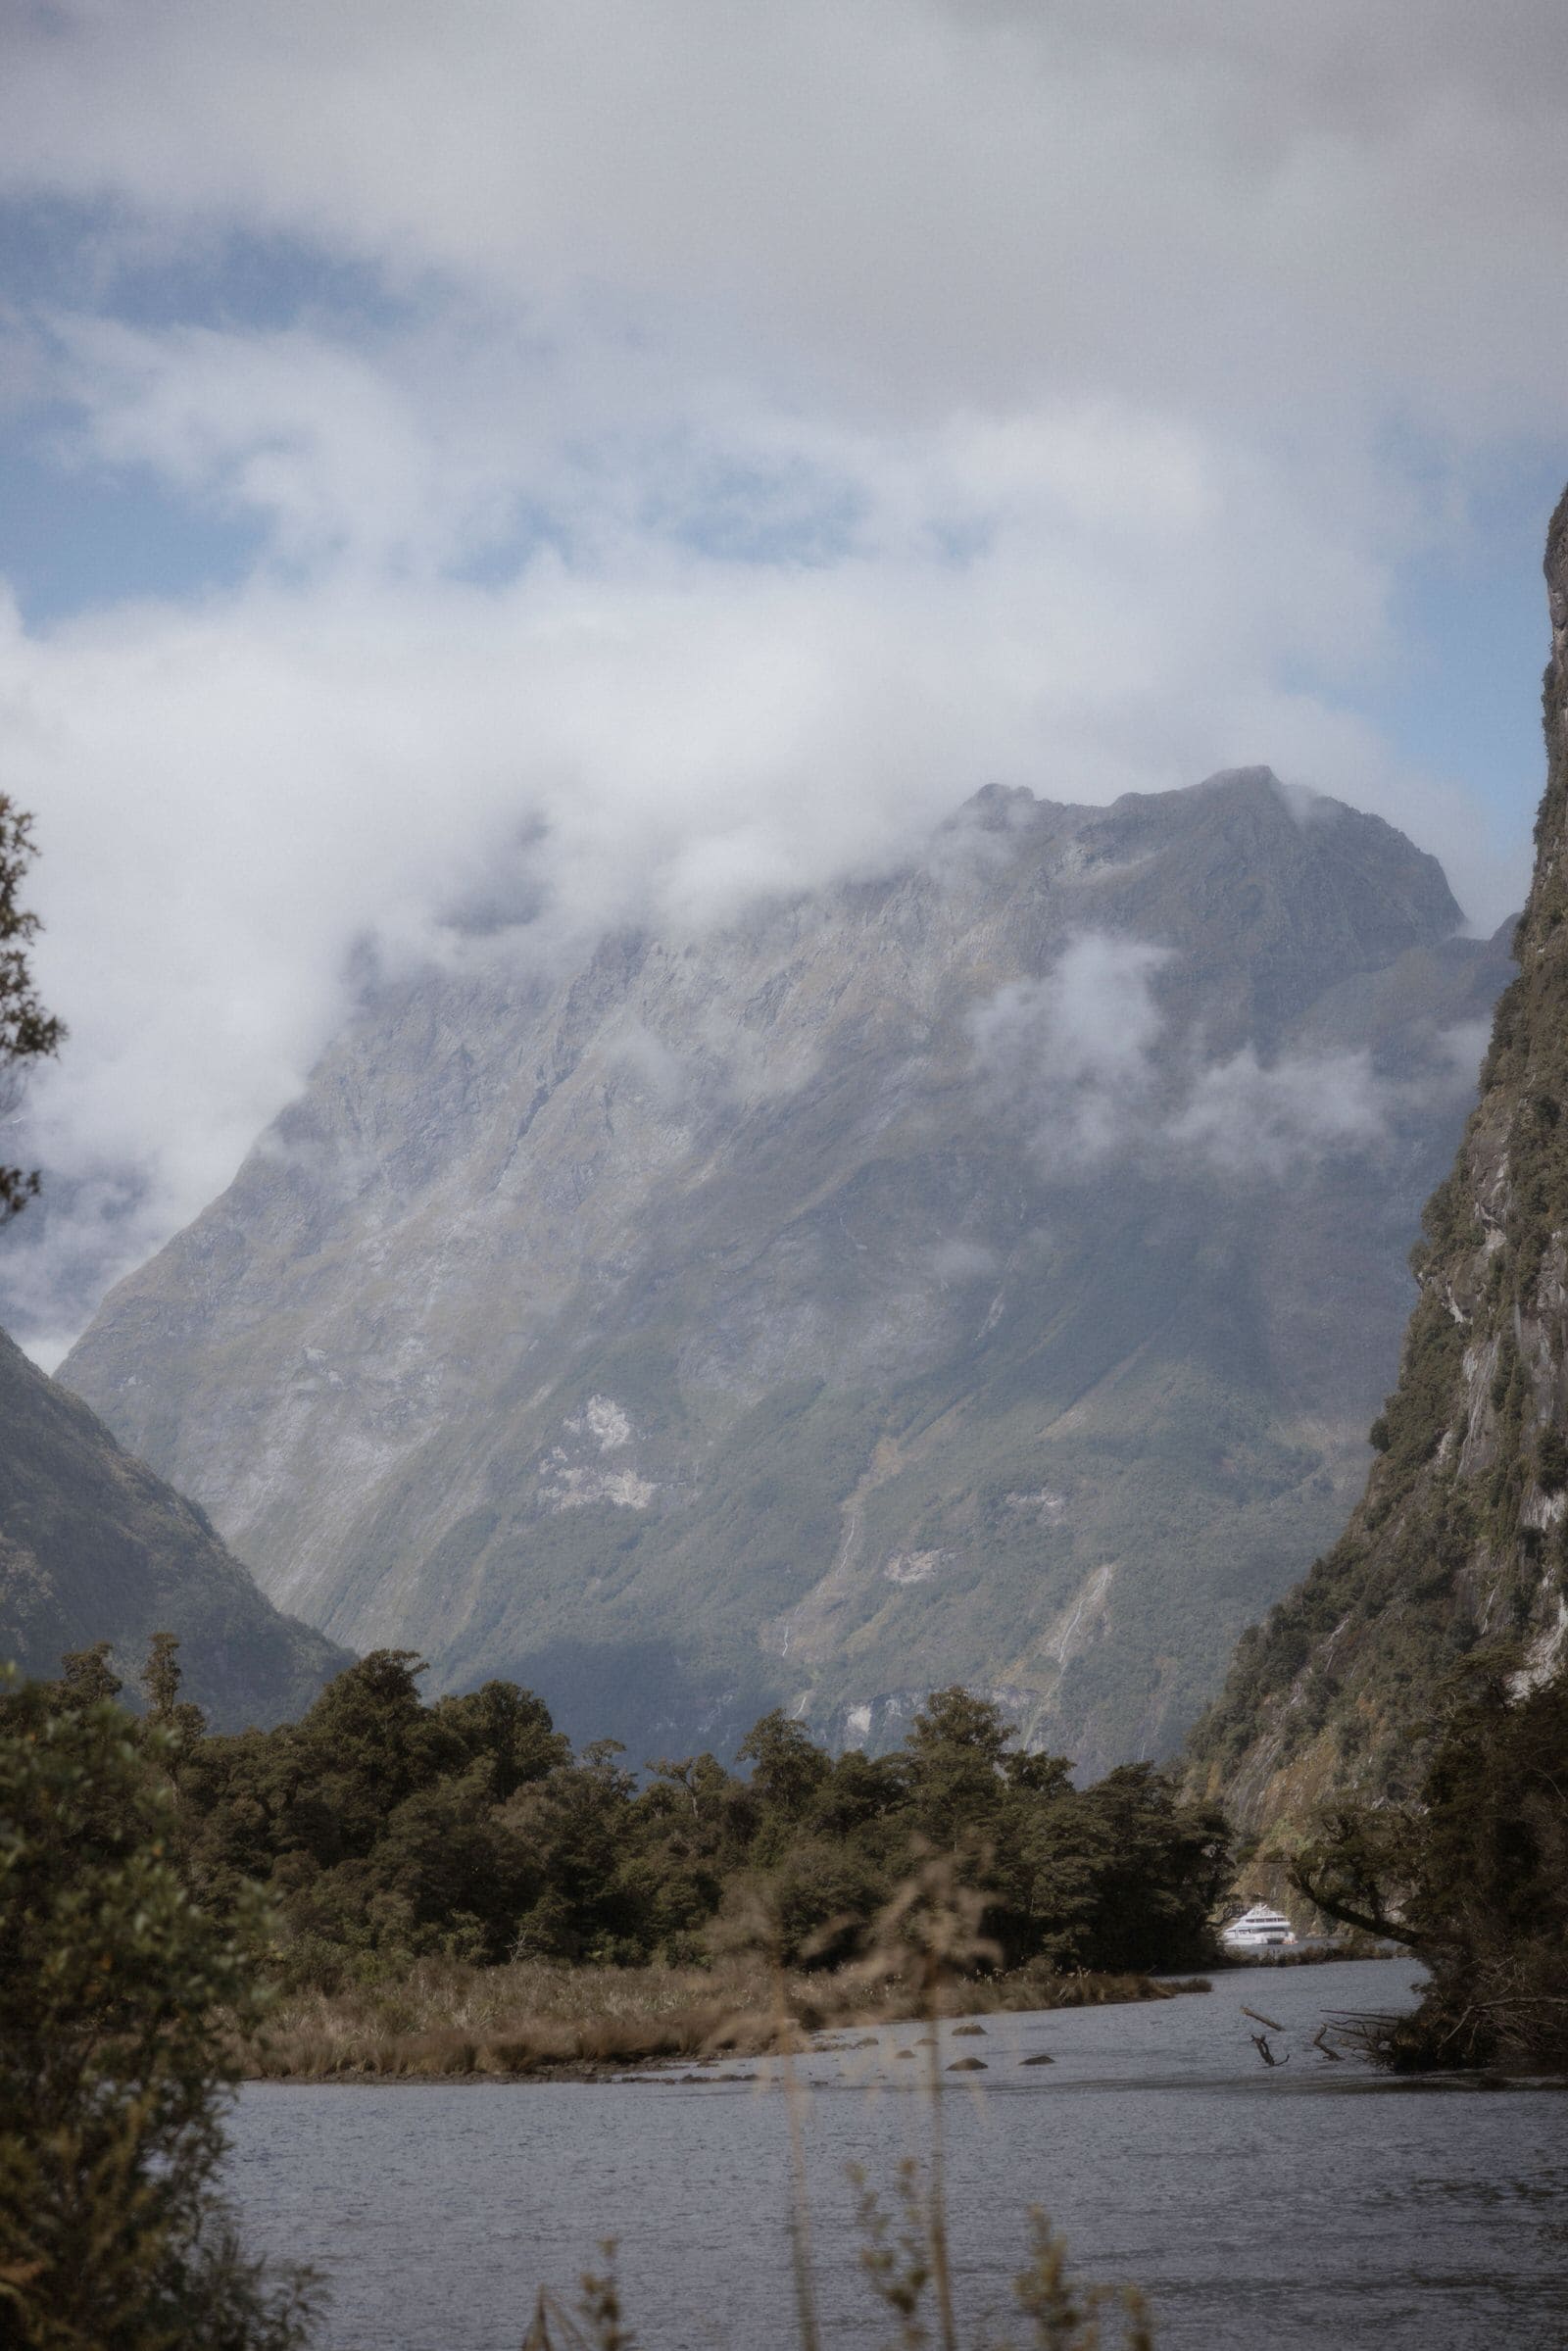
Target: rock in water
point(986, 1272)
point(1460, 1542)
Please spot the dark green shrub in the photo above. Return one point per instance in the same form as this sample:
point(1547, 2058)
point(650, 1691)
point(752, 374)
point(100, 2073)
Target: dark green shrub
point(117, 1999)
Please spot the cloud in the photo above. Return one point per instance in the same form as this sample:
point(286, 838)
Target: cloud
point(683, 450)
point(959, 1260)
point(233, 791)
point(915, 195)
point(297, 431)
point(1082, 1060)
point(1072, 1055)
point(1250, 1120)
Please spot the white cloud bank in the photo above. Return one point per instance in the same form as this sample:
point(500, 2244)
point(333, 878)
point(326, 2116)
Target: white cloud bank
point(778, 421)
point(929, 197)
point(1082, 1060)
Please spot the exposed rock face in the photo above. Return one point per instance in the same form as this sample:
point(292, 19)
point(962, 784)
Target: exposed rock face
point(94, 1548)
point(985, 1272)
point(1462, 1537)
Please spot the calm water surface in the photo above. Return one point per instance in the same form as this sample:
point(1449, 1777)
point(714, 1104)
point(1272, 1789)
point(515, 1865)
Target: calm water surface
point(1315, 2205)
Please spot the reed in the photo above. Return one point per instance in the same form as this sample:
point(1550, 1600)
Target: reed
point(445, 2019)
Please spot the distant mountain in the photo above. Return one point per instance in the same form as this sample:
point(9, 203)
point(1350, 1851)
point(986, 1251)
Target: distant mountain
point(988, 1272)
point(94, 1548)
point(1458, 1548)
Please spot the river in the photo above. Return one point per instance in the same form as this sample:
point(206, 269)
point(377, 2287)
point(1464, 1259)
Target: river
point(1311, 2204)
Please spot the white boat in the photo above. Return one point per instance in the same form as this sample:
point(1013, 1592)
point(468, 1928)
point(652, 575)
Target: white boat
point(1257, 1930)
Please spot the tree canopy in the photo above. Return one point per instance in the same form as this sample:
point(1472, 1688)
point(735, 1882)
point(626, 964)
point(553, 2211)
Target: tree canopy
point(387, 1829)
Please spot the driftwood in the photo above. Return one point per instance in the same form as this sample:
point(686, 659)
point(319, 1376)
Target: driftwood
point(1262, 2020)
point(1260, 2044)
point(1320, 2041)
point(1369, 2030)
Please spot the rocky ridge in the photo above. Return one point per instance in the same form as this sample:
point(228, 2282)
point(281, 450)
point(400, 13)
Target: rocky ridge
point(1458, 1548)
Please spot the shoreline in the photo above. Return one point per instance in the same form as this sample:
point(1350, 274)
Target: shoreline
point(1315, 1955)
point(335, 2042)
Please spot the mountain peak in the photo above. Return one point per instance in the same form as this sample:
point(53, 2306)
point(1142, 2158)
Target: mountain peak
point(1244, 783)
point(997, 809)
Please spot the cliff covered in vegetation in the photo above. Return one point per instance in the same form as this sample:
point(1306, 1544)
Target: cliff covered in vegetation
point(1458, 1549)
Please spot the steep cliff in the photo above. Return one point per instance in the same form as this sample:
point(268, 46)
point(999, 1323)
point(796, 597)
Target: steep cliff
point(94, 1548)
point(987, 1271)
point(1460, 1541)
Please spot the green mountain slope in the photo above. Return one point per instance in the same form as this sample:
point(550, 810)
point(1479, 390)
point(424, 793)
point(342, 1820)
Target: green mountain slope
point(984, 1272)
point(93, 1547)
point(1460, 1540)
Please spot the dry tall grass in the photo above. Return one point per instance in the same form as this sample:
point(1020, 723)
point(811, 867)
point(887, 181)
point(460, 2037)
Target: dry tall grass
point(446, 2019)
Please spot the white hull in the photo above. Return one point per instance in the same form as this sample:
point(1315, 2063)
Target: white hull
point(1259, 1930)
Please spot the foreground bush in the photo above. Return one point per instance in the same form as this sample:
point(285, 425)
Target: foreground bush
point(116, 1992)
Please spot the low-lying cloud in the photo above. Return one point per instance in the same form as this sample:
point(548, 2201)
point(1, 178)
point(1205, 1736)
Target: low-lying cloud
point(1085, 1061)
point(1072, 1055)
point(1249, 1120)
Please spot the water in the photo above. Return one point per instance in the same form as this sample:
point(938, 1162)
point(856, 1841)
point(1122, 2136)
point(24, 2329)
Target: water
point(1314, 2205)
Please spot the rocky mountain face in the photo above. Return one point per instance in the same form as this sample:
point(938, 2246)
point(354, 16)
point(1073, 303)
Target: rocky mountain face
point(1459, 1544)
point(984, 1272)
point(93, 1547)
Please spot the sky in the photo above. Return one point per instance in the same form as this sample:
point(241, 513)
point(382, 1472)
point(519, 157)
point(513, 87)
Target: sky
point(662, 450)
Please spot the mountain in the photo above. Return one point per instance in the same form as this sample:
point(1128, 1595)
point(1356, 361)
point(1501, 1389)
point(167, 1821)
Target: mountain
point(1458, 1548)
point(986, 1271)
point(93, 1547)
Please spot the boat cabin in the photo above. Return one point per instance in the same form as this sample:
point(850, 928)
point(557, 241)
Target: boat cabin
point(1259, 1929)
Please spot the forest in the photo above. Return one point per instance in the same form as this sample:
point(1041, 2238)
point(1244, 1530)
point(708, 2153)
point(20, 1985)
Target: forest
point(386, 1829)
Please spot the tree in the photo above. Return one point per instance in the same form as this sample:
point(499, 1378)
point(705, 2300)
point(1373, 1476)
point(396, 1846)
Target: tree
point(26, 1030)
point(118, 1997)
point(88, 1675)
point(507, 1728)
point(788, 1767)
point(578, 1824)
point(1160, 1866)
point(957, 1744)
point(161, 1678)
point(386, 1828)
point(1473, 1880)
point(370, 1741)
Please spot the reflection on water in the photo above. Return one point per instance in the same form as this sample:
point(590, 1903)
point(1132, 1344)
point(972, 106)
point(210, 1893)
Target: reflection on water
point(1315, 2204)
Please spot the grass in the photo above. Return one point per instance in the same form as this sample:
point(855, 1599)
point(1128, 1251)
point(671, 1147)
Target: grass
point(445, 2020)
